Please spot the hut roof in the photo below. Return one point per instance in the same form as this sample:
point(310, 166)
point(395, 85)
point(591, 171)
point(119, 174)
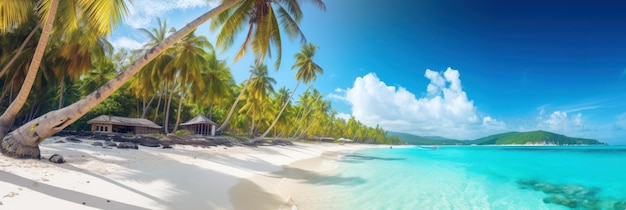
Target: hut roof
point(126, 121)
point(344, 139)
point(199, 120)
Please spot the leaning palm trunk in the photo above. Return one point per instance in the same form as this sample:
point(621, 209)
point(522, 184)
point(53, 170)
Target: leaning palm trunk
point(146, 107)
point(19, 50)
point(232, 108)
point(156, 113)
point(279, 113)
point(166, 119)
point(180, 106)
point(8, 117)
point(301, 123)
point(61, 92)
point(24, 141)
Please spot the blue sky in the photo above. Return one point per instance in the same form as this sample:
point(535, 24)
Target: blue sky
point(459, 69)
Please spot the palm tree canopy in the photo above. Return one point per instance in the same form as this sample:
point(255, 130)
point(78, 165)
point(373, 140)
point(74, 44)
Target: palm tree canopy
point(307, 70)
point(261, 84)
point(264, 19)
point(104, 16)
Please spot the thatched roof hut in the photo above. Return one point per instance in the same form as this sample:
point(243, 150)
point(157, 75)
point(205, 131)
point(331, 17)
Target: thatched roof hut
point(104, 123)
point(200, 125)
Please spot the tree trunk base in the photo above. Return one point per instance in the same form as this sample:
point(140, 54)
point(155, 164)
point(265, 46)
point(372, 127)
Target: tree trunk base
point(12, 147)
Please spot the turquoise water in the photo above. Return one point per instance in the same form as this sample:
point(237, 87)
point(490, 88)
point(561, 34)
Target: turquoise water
point(482, 177)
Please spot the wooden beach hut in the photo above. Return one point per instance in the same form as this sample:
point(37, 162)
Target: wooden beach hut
point(200, 125)
point(344, 140)
point(115, 124)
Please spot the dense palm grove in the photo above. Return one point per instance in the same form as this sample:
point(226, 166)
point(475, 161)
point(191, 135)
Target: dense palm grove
point(184, 79)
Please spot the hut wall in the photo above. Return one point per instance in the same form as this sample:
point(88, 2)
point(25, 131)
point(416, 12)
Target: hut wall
point(98, 127)
point(200, 129)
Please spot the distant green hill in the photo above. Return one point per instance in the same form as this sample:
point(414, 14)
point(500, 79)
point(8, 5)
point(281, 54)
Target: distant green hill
point(532, 137)
point(424, 140)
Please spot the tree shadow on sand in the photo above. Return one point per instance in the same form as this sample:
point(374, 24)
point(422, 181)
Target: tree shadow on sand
point(65, 194)
point(318, 179)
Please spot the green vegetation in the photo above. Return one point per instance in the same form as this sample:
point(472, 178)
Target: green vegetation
point(422, 140)
point(57, 75)
point(516, 138)
point(533, 137)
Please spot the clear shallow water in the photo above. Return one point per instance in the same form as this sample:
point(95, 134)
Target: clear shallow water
point(482, 177)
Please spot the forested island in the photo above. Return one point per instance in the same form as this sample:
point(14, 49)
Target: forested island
point(510, 138)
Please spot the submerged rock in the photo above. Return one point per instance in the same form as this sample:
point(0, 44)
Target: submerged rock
point(56, 158)
point(97, 144)
point(621, 205)
point(572, 196)
point(561, 200)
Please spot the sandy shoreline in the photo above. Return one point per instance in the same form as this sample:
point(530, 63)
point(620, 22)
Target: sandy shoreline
point(185, 177)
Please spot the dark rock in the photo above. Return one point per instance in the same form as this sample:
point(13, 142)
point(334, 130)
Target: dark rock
point(107, 147)
point(97, 144)
point(561, 200)
point(127, 145)
point(73, 140)
point(59, 141)
point(591, 203)
point(166, 146)
point(110, 144)
point(250, 143)
point(620, 205)
point(282, 142)
point(56, 158)
point(148, 144)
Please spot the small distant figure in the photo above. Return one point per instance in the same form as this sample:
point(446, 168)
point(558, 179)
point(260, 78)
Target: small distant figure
point(390, 147)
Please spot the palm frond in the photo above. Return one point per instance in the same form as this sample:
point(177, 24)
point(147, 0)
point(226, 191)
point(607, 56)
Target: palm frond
point(14, 13)
point(290, 25)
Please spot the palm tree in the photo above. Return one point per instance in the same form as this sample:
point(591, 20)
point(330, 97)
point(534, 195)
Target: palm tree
point(217, 80)
point(260, 86)
point(264, 19)
point(71, 54)
point(188, 61)
point(150, 80)
point(281, 98)
point(103, 15)
point(8, 57)
point(307, 102)
point(14, 17)
point(24, 141)
point(307, 72)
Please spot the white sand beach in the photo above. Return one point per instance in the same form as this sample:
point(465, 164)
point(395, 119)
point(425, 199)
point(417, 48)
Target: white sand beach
point(184, 177)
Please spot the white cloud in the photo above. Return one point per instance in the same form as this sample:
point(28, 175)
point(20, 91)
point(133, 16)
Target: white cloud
point(562, 122)
point(445, 111)
point(125, 42)
point(344, 116)
point(339, 94)
point(493, 124)
point(142, 12)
